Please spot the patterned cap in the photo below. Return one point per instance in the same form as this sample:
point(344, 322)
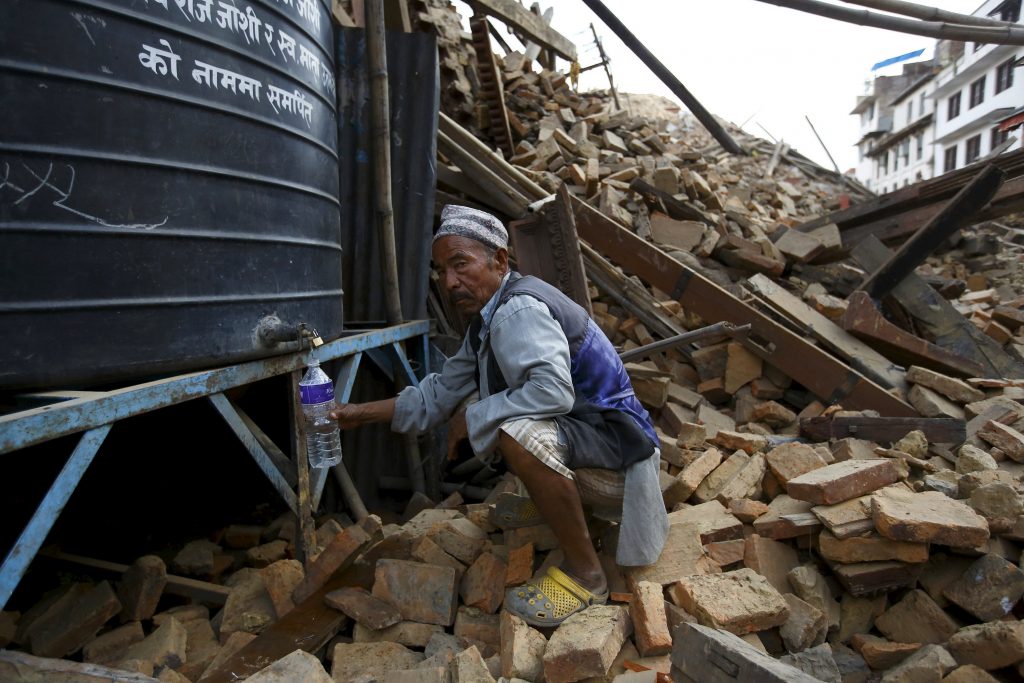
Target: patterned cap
point(462, 221)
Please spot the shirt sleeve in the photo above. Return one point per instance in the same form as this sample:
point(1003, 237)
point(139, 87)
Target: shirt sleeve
point(533, 354)
point(421, 408)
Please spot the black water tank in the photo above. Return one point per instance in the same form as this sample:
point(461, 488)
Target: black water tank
point(168, 176)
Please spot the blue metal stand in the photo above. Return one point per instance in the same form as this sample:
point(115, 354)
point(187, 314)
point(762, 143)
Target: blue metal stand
point(94, 413)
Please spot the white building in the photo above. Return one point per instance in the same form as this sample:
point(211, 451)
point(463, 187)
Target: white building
point(977, 97)
point(944, 114)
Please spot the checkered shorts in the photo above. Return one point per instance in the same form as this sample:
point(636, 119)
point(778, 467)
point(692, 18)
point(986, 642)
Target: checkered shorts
point(543, 440)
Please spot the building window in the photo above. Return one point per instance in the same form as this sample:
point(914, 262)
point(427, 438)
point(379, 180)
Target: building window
point(973, 149)
point(1006, 11)
point(953, 106)
point(977, 92)
point(919, 140)
point(905, 152)
point(922, 107)
point(999, 137)
point(949, 161)
point(910, 111)
point(1004, 75)
point(871, 111)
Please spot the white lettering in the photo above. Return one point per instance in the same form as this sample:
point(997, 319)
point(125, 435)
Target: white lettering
point(153, 59)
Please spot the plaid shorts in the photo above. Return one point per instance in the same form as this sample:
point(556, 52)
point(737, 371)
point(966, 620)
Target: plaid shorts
point(544, 441)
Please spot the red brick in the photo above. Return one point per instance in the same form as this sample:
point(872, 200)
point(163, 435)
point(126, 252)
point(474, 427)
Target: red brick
point(363, 608)
point(842, 481)
point(281, 579)
point(421, 592)
point(483, 584)
point(740, 601)
point(73, 620)
point(341, 550)
point(520, 565)
point(140, 588)
point(650, 624)
point(586, 643)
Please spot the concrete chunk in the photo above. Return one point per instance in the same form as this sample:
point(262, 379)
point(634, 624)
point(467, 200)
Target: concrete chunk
point(421, 592)
point(710, 655)
point(928, 517)
point(740, 601)
point(298, 667)
point(586, 643)
point(916, 619)
point(842, 481)
point(988, 589)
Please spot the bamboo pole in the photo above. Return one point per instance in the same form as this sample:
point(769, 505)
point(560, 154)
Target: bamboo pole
point(933, 29)
point(842, 179)
point(912, 9)
point(380, 106)
point(513, 203)
point(666, 76)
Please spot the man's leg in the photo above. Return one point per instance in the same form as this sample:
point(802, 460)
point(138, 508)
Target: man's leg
point(558, 502)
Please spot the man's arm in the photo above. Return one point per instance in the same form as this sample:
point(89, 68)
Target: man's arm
point(351, 415)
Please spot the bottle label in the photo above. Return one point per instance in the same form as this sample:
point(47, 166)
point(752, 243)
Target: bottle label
point(312, 394)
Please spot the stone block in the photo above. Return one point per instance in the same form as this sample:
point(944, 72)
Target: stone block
point(777, 522)
point(881, 654)
point(476, 625)
point(842, 481)
point(483, 584)
point(739, 441)
point(470, 667)
point(650, 623)
point(809, 585)
point(712, 520)
point(280, 579)
point(110, 646)
point(363, 608)
point(746, 482)
point(709, 655)
point(713, 484)
point(1005, 438)
point(248, 607)
point(522, 649)
point(740, 601)
point(872, 548)
point(242, 536)
point(930, 663)
point(356, 661)
point(72, 620)
point(166, 646)
point(933, 404)
point(969, 674)
point(989, 588)
point(805, 627)
point(747, 510)
point(990, 646)
point(196, 558)
point(770, 559)
point(266, 554)
point(928, 517)
point(407, 633)
point(425, 550)
point(425, 673)
point(953, 389)
point(682, 554)
point(815, 661)
point(460, 538)
point(790, 460)
point(297, 667)
point(916, 619)
point(140, 588)
point(421, 592)
point(858, 614)
point(585, 645)
point(696, 472)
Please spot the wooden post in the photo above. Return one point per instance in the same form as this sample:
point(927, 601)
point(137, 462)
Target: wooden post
point(376, 52)
point(604, 62)
point(955, 215)
point(666, 76)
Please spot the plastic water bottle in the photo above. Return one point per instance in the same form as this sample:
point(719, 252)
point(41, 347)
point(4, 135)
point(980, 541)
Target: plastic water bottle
point(323, 438)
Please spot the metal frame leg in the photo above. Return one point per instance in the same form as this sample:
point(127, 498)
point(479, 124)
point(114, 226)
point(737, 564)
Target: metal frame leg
point(35, 532)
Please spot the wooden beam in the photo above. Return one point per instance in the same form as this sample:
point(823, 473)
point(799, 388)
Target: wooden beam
point(884, 429)
point(937, 319)
point(958, 213)
point(663, 201)
point(855, 352)
point(864, 321)
point(529, 24)
point(828, 378)
point(203, 591)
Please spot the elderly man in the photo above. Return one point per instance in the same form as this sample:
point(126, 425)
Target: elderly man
point(555, 404)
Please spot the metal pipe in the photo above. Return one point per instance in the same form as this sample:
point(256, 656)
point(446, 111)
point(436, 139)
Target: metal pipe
point(666, 76)
point(721, 328)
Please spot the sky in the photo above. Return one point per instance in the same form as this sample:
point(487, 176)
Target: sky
point(752, 63)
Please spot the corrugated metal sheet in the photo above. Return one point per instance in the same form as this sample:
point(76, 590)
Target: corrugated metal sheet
point(414, 93)
point(413, 80)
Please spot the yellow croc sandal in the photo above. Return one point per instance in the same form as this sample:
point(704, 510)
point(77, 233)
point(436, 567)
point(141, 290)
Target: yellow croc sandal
point(552, 600)
point(512, 511)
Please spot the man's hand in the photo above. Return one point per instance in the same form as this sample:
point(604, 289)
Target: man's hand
point(351, 415)
point(457, 432)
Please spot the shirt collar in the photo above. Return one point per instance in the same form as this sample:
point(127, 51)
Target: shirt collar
point(488, 310)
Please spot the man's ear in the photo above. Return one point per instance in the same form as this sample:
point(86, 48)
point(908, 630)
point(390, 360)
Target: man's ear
point(501, 259)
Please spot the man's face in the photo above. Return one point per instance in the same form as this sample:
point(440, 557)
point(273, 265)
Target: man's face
point(467, 273)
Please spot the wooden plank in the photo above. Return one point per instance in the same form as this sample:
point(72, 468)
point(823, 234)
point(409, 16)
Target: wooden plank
point(183, 586)
point(546, 246)
point(883, 429)
point(827, 377)
point(955, 215)
point(531, 25)
point(864, 321)
point(937, 318)
point(340, 15)
point(861, 356)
